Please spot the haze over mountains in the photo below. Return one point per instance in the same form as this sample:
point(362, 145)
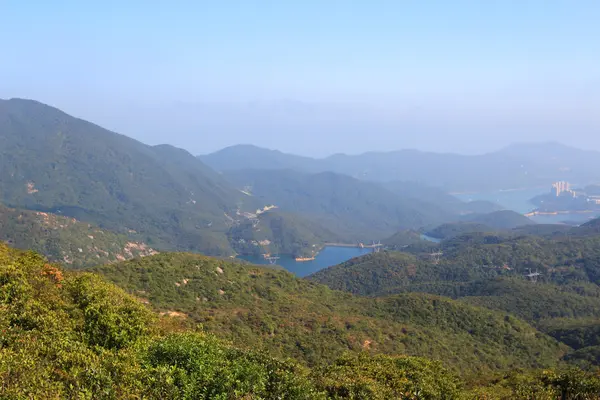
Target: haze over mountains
point(300, 200)
point(516, 166)
point(169, 199)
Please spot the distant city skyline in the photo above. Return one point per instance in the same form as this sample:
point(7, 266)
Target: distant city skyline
point(314, 78)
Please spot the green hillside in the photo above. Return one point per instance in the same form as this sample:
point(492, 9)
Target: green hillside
point(52, 162)
point(469, 266)
point(547, 230)
point(276, 232)
point(402, 239)
point(63, 239)
point(272, 310)
point(350, 208)
point(490, 272)
point(452, 229)
point(69, 335)
point(504, 219)
point(74, 336)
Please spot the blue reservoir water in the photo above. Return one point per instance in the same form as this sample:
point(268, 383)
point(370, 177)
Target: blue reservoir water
point(326, 258)
point(430, 239)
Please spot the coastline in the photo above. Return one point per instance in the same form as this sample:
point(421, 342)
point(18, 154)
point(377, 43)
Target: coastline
point(315, 252)
point(495, 190)
point(535, 212)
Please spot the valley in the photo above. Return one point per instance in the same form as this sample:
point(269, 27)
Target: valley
point(296, 200)
point(167, 276)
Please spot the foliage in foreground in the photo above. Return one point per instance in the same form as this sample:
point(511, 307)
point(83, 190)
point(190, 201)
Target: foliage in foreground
point(66, 335)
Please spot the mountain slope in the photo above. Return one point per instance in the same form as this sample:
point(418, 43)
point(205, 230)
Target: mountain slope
point(74, 335)
point(501, 220)
point(50, 161)
point(284, 315)
point(505, 222)
point(348, 207)
point(452, 229)
point(276, 232)
point(561, 303)
point(66, 240)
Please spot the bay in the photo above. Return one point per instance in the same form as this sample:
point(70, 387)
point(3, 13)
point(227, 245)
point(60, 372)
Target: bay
point(329, 256)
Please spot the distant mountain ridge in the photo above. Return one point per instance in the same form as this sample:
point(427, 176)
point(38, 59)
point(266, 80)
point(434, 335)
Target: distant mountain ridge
point(516, 166)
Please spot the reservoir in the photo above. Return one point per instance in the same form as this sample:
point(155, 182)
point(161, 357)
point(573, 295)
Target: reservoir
point(326, 258)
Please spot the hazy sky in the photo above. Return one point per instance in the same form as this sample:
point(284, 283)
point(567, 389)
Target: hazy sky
point(313, 77)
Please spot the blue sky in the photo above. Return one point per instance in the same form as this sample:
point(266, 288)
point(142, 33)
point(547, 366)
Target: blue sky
point(313, 77)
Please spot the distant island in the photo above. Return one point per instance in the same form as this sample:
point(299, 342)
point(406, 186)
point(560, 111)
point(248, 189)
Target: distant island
point(563, 199)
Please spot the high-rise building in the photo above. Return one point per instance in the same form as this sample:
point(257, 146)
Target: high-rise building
point(561, 187)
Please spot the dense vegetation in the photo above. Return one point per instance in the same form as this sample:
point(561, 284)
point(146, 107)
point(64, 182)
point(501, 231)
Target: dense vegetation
point(348, 207)
point(287, 316)
point(69, 335)
point(500, 220)
point(504, 221)
point(278, 232)
point(402, 239)
point(452, 229)
point(52, 162)
point(66, 240)
point(489, 270)
point(75, 336)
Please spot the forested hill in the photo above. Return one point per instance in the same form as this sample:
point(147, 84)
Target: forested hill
point(73, 335)
point(503, 219)
point(351, 208)
point(52, 162)
point(277, 232)
point(286, 316)
point(503, 222)
point(551, 283)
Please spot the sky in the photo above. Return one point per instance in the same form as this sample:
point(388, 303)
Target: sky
point(313, 77)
